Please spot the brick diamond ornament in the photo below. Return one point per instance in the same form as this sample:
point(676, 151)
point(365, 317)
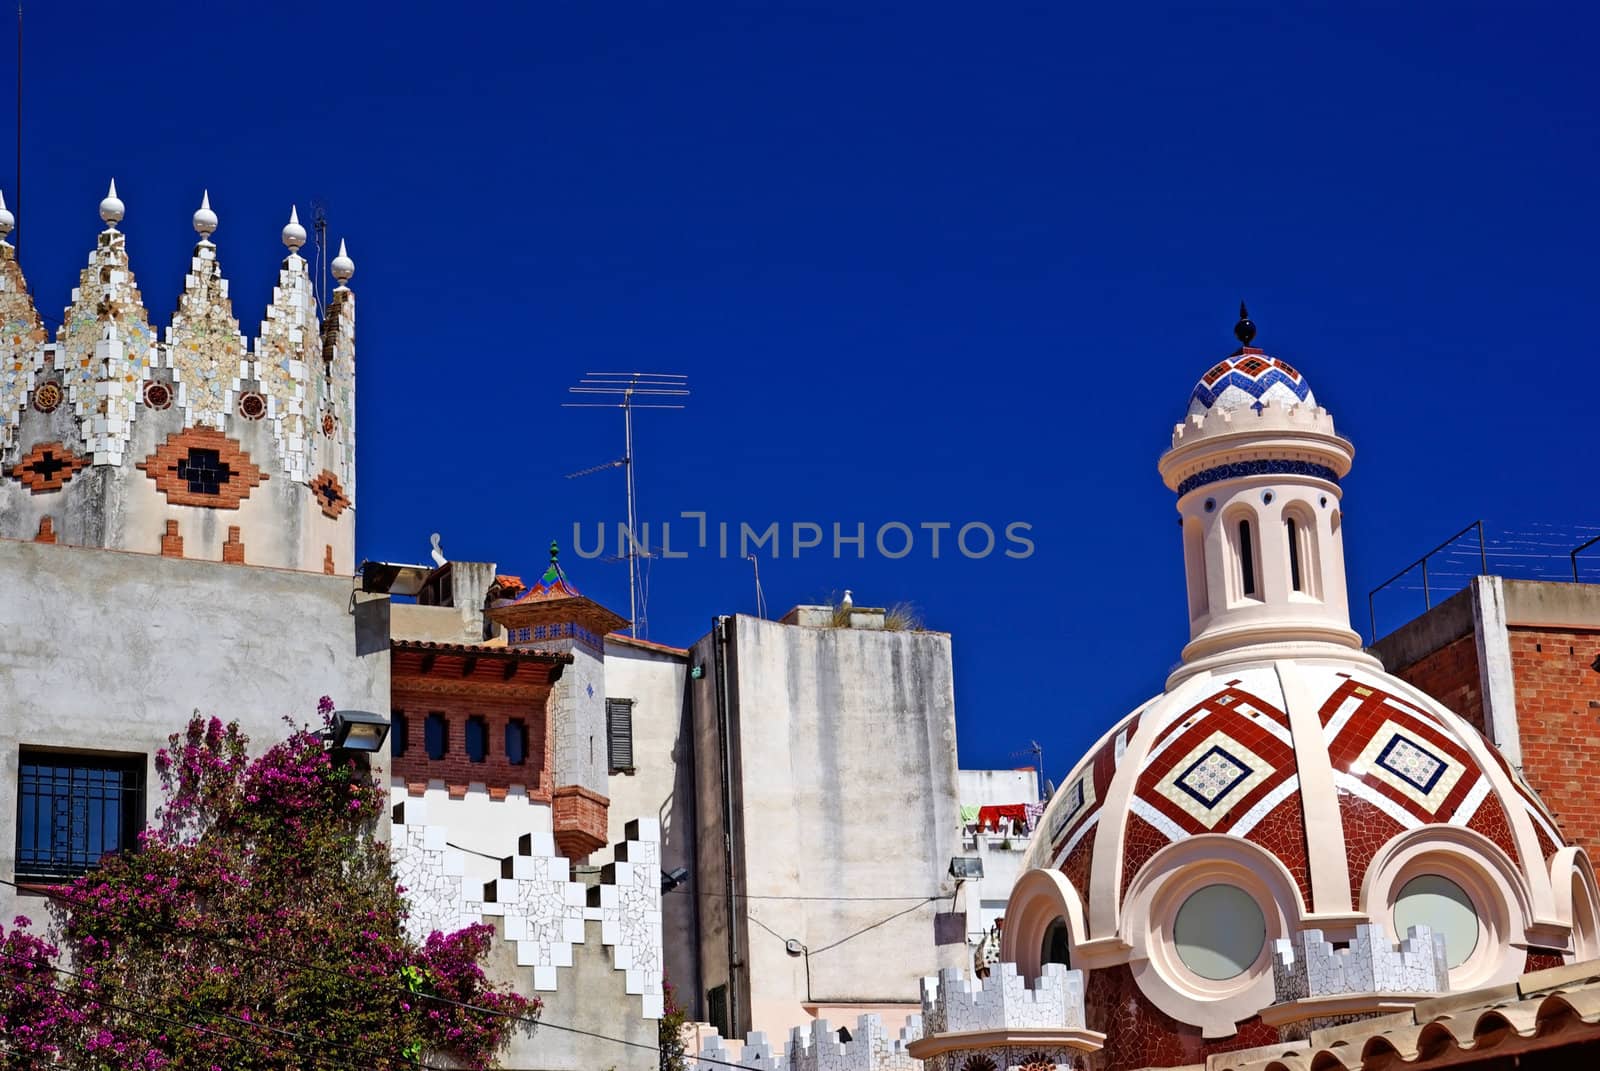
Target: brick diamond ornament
point(330, 496)
point(202, 467)
point(47, 467)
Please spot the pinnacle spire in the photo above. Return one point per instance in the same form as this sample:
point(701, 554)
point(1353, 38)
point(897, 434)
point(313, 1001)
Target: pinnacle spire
point(111, 208)
point(205, 220)
point(7, 220)
point(294, 235)
point(342, 267)
point(1244, 330)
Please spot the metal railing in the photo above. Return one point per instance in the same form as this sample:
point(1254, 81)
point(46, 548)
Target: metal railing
point(1535, 551)
point(1427, 594)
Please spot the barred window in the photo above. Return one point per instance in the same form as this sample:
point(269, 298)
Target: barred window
point(74, 808)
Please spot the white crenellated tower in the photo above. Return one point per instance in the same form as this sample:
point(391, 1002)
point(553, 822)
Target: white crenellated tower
point(1256, 466)
point(192, 444)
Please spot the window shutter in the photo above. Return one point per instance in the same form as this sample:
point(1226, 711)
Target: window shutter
point(619, 733)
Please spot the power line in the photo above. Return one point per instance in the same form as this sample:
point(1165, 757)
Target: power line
point(55, 894)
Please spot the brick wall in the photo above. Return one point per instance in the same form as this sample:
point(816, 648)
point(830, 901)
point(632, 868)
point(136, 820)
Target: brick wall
point(1558, 717)
point(455, 769)
point(1450, 675)
point(578, 816)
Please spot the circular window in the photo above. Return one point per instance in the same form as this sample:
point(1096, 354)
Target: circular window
point(157, 396)
point(1442, 906)
point(1266, 497)
point(252, 406)
point(328, 424)
point(1211, 504)
point(1057, 945)
point(1323, 501)
point(47, 396)
point(1219, 932)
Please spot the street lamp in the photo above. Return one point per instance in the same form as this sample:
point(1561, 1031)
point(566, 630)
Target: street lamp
point(357, 730)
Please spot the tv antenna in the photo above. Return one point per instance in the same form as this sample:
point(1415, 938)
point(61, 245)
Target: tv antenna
point(627, 387)
point(761, 601)
point(319, 223)
point(1038, 761)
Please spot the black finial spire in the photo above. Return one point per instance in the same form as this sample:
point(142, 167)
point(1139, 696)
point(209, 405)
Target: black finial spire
point(1244, 330)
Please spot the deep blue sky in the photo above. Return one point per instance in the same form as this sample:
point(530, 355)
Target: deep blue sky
point(925, 263)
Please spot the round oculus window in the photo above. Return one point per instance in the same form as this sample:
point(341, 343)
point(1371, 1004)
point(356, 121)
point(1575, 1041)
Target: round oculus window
point(1442, 906)
point(252, 406)
point(1219, 932)
point(158, 396)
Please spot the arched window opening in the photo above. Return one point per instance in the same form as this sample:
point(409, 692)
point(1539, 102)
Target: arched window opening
point(477, 739)
point(1057, 944)
point(516, 741)
point(436, 735)
point(1247, 560)
point(1292, 531)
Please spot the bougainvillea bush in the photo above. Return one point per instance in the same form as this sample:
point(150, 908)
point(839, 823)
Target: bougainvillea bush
point(257, 926)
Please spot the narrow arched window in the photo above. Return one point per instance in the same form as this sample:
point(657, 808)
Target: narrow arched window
point(436, 735)
point(1292, 531)
point(477, 739)
point(516, 741)
point(1247, 559)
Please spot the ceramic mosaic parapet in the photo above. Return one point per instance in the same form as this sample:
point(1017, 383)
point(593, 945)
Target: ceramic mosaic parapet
point(953, 1003)
point(1306, 966)
point(544, 912)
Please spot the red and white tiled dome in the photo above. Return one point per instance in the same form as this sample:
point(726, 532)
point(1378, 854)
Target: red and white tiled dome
point(1320, 788)
point(1283, 782)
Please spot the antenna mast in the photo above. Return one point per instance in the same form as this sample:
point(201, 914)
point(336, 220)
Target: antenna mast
point(628, 386)
point(319, 223)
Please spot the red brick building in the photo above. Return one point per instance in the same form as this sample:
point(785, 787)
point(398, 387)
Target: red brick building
point(1520, 660)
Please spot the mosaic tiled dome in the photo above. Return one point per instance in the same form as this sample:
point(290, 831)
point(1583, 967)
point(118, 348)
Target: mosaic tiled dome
point(1265, 768)
point(1219, 754)
point(1247, 379)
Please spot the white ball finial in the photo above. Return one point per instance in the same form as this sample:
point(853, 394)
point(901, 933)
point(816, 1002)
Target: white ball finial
point(294, 235)
point(7, 220)
point(205, 220)
point(112, 208)
point(342, 267)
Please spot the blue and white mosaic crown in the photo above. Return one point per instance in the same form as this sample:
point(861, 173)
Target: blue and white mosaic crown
point(1247, 380)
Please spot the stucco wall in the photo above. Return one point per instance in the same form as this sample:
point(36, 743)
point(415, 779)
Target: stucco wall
point(846, 789)
point(110, 651)
point(661, 787)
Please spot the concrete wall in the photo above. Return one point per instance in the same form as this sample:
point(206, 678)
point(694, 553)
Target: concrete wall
point(845, 788)
point(592, 997)
point(984, 788)
point(661, 787)
point(110, 651)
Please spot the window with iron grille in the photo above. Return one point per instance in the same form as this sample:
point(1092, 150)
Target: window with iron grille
point(619, 734)
point(74, 808)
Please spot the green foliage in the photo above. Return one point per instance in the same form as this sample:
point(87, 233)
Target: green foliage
point(670, 1031)
point(259, 927)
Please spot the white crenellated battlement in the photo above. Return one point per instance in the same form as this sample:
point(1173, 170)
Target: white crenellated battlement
point(1306, 966)
point(952, 1003)
point(816, 1047)
point(1272, 416)
point(544, 912)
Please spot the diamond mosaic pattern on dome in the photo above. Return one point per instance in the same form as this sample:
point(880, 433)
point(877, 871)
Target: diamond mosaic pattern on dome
point(1398, 757)
point(1247, 380)
point(1219, 767)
